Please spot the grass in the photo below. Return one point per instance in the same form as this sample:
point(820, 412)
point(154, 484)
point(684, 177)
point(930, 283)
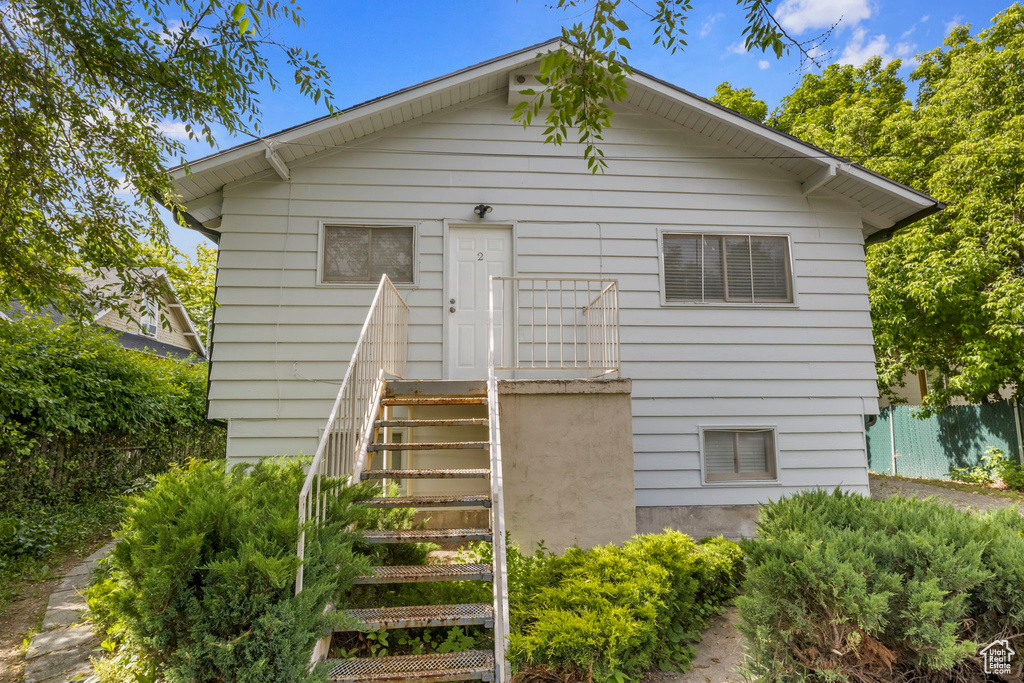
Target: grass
point(984, 489)
point(58, 532)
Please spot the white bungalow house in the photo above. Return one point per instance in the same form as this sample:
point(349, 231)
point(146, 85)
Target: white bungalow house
point(740, 367)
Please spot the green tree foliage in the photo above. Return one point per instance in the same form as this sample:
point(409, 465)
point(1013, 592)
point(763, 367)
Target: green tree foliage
point(80, 415)
point(585, 76)
point(89, 88)
point(841, 587)
point(742, 101)
point(194, 279)
point(201, 584)
point(948, 293)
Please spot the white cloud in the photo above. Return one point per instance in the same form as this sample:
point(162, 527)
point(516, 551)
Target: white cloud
point(954, 22)
point(173, 129)
point(763, 64)
point(737, 48)
point(861, 48)
point(705, 28)
point(800, 15)
point(925, 18)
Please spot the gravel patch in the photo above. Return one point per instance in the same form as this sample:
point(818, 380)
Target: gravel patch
point(884, 487)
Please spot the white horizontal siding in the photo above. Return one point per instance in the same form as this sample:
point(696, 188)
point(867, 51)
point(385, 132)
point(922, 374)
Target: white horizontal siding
point(282, 343)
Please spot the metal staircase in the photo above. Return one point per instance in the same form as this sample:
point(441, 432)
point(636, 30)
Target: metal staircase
point(472, 496)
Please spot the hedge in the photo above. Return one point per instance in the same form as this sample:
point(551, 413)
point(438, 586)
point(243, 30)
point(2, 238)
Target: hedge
point(80, 415)
point(841, 587)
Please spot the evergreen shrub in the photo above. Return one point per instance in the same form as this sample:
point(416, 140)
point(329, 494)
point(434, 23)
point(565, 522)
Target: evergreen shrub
point(201, 584)
point(841, 587)
point(612, 613)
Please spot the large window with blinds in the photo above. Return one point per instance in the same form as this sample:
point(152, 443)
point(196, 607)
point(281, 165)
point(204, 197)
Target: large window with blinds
point(739, 454)
point(362, 253)
point(702, 267)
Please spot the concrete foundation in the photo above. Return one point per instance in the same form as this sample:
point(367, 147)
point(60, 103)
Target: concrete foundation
point(567, 450)
point(699, 521)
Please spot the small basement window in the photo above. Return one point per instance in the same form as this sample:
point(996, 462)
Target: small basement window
point(701, 268)
point(362, 253)
point(739, 454)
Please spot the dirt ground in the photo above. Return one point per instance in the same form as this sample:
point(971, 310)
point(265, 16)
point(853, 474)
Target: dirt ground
point(883, 487)
point(26, 613)
point(719, 655)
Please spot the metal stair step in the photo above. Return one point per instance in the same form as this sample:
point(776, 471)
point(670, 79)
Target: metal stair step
point(421, 616)
point(481, 500)
point(426, 474)
point(428, 446)
point(434, 400)
point(426, 535)
point(471, 665)
point(451, 422)
point(427, 573)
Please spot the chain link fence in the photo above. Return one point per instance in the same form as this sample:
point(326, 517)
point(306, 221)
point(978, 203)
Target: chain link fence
point(902, 443)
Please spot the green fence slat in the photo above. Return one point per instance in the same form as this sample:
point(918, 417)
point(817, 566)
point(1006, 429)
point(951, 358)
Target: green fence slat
point(957, 436)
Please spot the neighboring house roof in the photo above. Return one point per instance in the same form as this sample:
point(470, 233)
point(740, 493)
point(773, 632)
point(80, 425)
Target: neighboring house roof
point(108, 279)
point(883, 204)
point(142, 343)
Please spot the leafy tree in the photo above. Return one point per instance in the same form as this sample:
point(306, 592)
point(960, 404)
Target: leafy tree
point(947, 294)
point(88, 89)
point(194, 279)
point(92, 89)
point(741, 101)
point(588, 73)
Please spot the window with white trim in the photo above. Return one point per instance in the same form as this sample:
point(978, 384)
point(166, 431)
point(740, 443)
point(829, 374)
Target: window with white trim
point(148, 317)
point(700, 267)
point(739, 454)
point(362, 253)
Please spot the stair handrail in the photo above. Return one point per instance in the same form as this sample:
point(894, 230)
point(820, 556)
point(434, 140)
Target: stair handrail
point(382, 349)
point(498, 551)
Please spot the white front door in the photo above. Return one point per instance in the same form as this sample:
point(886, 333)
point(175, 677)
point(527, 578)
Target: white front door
point(474, 254)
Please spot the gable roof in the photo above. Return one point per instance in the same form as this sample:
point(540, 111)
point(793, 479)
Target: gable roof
point(883, 204)
point(108, 279)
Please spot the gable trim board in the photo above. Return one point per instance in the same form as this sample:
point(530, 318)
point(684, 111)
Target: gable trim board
point(884, 204)
point(282, 341)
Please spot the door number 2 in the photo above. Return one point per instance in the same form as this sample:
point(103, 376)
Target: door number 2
point(479, 256)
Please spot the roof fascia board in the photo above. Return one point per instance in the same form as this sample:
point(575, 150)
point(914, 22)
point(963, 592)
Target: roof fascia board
point(768, 134)
point(397, 99)
point(184, 312)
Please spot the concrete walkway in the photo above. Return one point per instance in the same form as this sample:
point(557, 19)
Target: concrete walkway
point(965, 501)
point(61, 650)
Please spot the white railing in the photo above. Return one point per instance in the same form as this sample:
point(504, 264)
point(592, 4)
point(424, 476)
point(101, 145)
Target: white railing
point(557, 324)
point(381, 350)
point(498, 555)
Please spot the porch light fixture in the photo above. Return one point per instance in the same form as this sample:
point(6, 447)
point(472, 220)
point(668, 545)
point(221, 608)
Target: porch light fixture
point(482, 210)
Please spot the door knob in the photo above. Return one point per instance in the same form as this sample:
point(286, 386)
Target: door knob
point(451, 301)
point(451, 310)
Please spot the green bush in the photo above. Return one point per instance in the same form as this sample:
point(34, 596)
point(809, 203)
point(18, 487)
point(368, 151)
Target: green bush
point(842, 587)
point(81, 416)
point(995, 466)
point(200, 586)
point(615, 612)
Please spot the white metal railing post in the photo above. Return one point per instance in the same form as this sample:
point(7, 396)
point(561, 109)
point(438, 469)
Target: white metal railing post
point(498, 555)
point(342, 450)
point(538, 305)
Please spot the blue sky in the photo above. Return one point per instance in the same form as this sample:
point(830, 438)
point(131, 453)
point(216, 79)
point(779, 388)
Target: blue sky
point(373, 48)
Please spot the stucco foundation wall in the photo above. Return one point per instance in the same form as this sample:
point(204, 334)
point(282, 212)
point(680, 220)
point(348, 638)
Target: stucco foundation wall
point(567, 451)
point(699, 521)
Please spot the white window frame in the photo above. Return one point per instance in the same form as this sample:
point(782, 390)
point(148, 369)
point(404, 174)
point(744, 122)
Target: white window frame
point(740, 479)
point(665, 301)
point(357, 223)
point(149, 310)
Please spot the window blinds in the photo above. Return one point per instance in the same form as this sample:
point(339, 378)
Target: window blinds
point(739, 268)
point(737, 454)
